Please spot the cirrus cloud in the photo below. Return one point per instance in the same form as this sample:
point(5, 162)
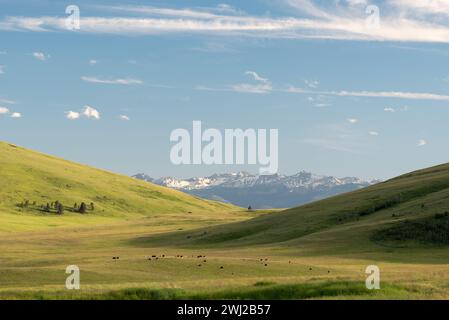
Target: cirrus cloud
point(401, 21)
point(127, 81)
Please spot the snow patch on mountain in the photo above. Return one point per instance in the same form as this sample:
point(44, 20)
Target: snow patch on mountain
point(301, 180)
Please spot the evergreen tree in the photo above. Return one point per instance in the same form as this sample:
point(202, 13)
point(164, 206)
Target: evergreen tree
point(60, 208)
point(82, 208)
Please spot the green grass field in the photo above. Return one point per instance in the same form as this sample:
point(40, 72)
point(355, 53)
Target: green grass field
point(174, 246)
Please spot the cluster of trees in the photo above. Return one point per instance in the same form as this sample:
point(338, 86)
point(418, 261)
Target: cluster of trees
point(82, 208)
point(58, 207)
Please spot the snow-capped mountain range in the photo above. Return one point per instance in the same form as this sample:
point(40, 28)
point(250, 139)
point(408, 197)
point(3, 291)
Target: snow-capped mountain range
point(263, 191)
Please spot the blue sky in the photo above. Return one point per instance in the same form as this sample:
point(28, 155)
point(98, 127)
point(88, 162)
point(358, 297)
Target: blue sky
point(348, 98)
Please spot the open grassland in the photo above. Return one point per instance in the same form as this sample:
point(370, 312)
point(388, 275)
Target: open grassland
point(174, 246)
point(32, 266)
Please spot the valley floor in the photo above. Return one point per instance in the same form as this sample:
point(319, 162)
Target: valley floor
point(33, 264)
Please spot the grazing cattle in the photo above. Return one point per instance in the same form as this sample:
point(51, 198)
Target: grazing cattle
point(221, 267)
point(310, 269)
point(266, 265)
point(153, 256)
point(199, 265)
point(204, 260)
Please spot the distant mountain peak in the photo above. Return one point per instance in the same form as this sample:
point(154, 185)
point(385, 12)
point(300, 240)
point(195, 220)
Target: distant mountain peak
point(263, 191)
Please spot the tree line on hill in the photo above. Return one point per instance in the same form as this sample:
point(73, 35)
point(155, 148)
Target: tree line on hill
point(57, 207)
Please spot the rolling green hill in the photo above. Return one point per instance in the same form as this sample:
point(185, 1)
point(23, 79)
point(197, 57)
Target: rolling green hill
point(372, 215)
point(174, 246)
point(29, 180)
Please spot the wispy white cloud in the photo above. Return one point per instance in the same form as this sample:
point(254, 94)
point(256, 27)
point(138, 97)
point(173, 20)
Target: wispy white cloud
point(40, 56)
point(4, 110)
point(2, 69)
point(261, 86)
point(394, 94)
point(255, 76)
point(352, 120)
point(92, 62)
point(124, 117)
point(373, 133)
point(422, 7)
point(207, 88)
point(312, 83)
point(319, 101)
point(373, 94)
point(357, 2)
point(167, 12)
point(215, 47)
point(252, 88)
point(322, 105)
point(91, 112)
point(16, 115)
point(401, 21)
point(7, 101)
point(421, 143)
point(393, 110)
point(127, 81)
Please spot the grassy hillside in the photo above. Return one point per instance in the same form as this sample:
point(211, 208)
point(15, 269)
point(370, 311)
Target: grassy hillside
point(29, 180)
point(342, 219)
point(318, 251)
